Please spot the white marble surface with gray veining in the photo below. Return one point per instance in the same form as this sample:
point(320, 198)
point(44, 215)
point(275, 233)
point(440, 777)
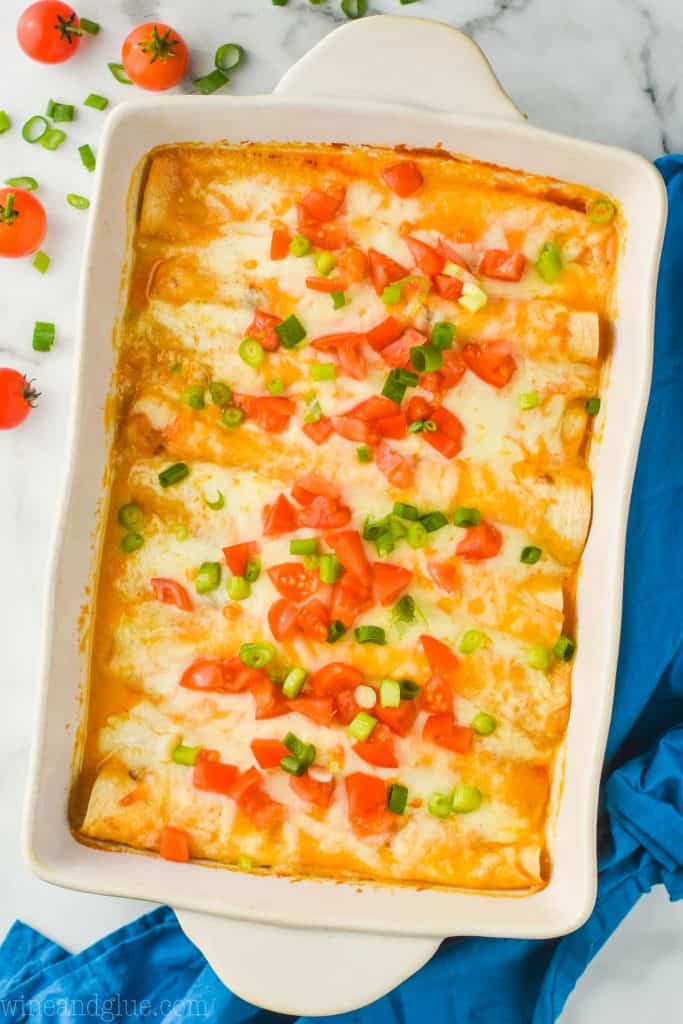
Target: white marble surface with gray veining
point(608, 70)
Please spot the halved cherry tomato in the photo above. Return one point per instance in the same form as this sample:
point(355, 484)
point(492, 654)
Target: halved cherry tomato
point(49, 31)
point(350, 597)
point(268, 699)
point(313, 791)
point(320, 431)
point(389, 581)
point(237, 556)
point(367, 800)
point(324, 514)
point(318, 709)
point(214, 776)
point(428, 259)
point(401, 719)
point(436, 695)
point(384, 333)
point(448, 287)
point(349, 549)
point(396, 467)
point(502, 264)
point(22, 223)
point(442, 661)
point(322, 206)
point(262, 328)
point(379, 749)
point(280, 517)
point(294, 580)
point(203, 674)
point(282, 618)
point(447, 438)
point(313, 621)
point(171, 592)
point(384, 270)
point(174, 844)
point(479, 542)
point(334, 678)
point(279, 244)
point(442, 730)
point(269, 753)
point(492, 361)
point(155, 56)
point(403, 178)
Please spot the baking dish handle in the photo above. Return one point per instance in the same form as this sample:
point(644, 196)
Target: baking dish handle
point(307, 973)
point(395, 59)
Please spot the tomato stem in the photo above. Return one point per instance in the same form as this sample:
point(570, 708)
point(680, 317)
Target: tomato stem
point(7, 212)
point(66, 27)
point(29, 393)
point(160, 47)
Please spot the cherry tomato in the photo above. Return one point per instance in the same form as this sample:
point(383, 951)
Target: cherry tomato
point(155, 56)
point(22, 222)
point(48, 31)
point(17, 398)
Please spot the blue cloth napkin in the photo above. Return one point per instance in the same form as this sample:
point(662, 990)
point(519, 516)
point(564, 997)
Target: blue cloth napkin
point(150, 969)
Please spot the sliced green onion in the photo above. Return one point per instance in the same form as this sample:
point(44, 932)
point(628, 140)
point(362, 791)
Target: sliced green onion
point(86, 25)
point(131, 542)
point(210, 83)
point(323, 371)
point(426, 358)
point(251, 352)
point(549, 263)
point(385, 543)
point(41, 261)
point(34, 129)
point(471, 641)
point(363, 453)
point(601, 211)
point(60, 111)
point(220, 393)
point(174, 474)
point(253, 569)
point(409, 689)
point(484, 724)
point(52, 139)
point(313, 412)
point(193, 396)
point(280, 3)
point(330, 568)
point(303, 546)
point(370, 635)
point(325, 262)
point(294, 681)
point(389, 693)
point(185, 755)
point(404, 511)
point(79, 202)
point(232, 416)
point(443, 333)
point(291, 765)
point(5, 123)
point(391, 294)
point(311, 562)
point(181, 532)
point(407, 377)
point(354, 8)
point(338, 299)
point(362, 726)
point(130, 516)
point(538, 657)
point(290, 332)
point(28, 184)
point(530, 555)
point(417, 535)
point(393, 389)
point(119, 73)
point(466, 516)
point(303, 752)
point(275, 386)
point(244, 863)
point(257, 656)
point(238, 588)
point(87, 157)
point(405, 610)
point(434, 521)
point(473, 297)
point(439, 805)
point(373, 528)
point(208, 577)
point(43, 336)
point(299, 246)
point(528, 400)
point(465, 798)
point(335, 631)
point(228, 56)
point(217, 504)
point(418, 426)
point(592, 406)
point(398, 798)
point(564, 648)
point(95, 101)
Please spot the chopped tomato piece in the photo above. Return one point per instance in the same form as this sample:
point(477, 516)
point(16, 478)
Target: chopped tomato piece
point(384, 333)
point(352, 266)
point(436, 695)
point(262, 328)
point(268, 699)
point(445, 575)
point(294, 580)
point(310, 484)
point(318, 709)
point(347, 347)
point(318, 432)
point(251, 778)
point(397, 354)
point(418, 408)
point(238, 677)
point(353, 429)
point(324, 514)
point(396, 467)
point(349, 549)
point(237, 556)
point(174, 844)
point(347, 706)
point(448, 287)
point(379, 749)
point(428, 259)
point(403, 178)
point(322, 206)
point(269, 753)
point(261, 809)
point(313, 620)
point(447, 438)
point(350, 597)
point(313, 791)
point(367, 800)
point(442, 730)
point(442, 661)
point(389, 581)
point(324, 235)
point(332, 679)
point(214, 776)
point(326, 285)
point(492, 361)
point(203, 674)
point(375, 408)
point(272, 413)
point(206, 754)
point(280, 517)
point(282, 618)
point(502, 264)
point(170, 592)
point(279, 244)
point(334, 341)
point(393, 427)
point(448, 376)
point(401, 719)
point(384, 270)
point(479, 542)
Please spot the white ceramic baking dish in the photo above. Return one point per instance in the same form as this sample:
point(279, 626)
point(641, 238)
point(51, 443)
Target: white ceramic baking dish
point(387, 81)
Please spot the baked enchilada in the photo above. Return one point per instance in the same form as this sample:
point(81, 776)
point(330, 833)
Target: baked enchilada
point(333, 625)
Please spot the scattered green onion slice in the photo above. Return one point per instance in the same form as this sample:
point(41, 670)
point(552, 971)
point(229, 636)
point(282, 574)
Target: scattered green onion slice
point(335, 631)
point(404, 511)
point(538, 657)
point(466, 516)
point(426, 358)
point(131, 542)
point(409, 689)
point(417, 535)
point(465, 798)
point(338, 299)
point(528, 400)
point(217, 504)
point(294, 680)
point(439, 805)
point(391, 294)
point(323, 371)
point(303, 546)
point(238, 588)
point(325, 262)
point(280, 3)
point(28, 184)
point(370, 635)
point(130, 516)
point(60, 111)
point(313, 412)
point(443, 334)
point(330, 568)
point(193, 396)
point(181, 532)
point(396, 383)
point(362, 726)
point(601, 211)
point(43, 336)
point(405, 610)
point(389, 693)
point(52, 139)
point(87, 157)
point(185, 755)
point(96, 101)
point(244, 863)
point(385, 543)
point(290, 332)
point(5, 123)
point(228, 56)
point(363, 453)
point(471, 641)
point(208, 577)
point(212, 82)
point(592, 406)
point(398, 798)
point(354, 8)
point(251, 352)
point(530, 555)
point(86, 25)
point(41, 261)
point(434, 521)
point(174, 474)
point(484, 724)
point(34, 129)
point(79, 202)
point(373, 528)
point(420, 426)
point(257, 655)
point(220, 393)
point(299, 246)
point(119, 73)
point(564, 648)
point(275, 386)
point(253, 569)
point(232, 416)
point(549, 263)
point(303, 752)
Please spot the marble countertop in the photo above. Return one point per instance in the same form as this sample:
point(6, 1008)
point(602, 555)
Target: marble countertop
point(608, 71)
